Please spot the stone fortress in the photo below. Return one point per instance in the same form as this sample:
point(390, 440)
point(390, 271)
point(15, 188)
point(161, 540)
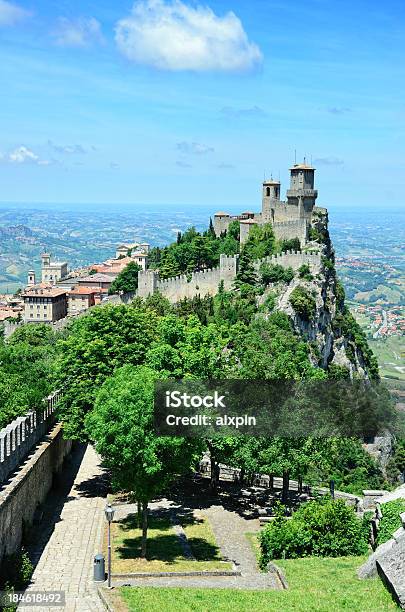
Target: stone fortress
point(62, 293)
point(290, 219)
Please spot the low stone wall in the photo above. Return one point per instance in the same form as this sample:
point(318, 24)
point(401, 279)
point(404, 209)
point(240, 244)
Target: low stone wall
point(20, 498)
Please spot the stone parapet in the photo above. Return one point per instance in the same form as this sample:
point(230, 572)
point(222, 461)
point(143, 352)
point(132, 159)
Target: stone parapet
point(27, 489)
point(22, 434)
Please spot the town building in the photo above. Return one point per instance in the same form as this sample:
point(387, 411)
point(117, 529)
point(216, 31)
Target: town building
point(80, 299)
point(51, 271)
point(44, 304)
point(127, 249)
point(96, 281)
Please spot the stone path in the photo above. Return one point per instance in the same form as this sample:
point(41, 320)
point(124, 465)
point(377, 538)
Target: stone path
point(70, 535)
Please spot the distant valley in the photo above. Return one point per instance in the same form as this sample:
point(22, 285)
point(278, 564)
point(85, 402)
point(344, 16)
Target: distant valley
point(370, 256)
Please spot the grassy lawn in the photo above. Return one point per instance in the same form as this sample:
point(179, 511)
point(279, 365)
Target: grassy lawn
point(164, 551)
point(315, 584)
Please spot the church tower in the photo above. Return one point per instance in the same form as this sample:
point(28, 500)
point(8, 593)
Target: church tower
point(271, 197)
point(302, 194)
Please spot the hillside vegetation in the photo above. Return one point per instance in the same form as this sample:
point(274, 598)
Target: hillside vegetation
point(274, 324)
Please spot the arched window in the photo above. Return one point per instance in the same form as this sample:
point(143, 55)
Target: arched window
point(268, 192)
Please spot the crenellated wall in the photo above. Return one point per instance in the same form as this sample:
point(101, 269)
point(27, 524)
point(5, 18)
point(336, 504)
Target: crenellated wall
point(206, 282)
point(21, 497)
point(292, 259)
point(32, 451)
point(202, 283)
point(22, 434)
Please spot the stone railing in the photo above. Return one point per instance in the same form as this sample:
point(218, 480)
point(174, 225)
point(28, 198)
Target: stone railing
point(19, 437)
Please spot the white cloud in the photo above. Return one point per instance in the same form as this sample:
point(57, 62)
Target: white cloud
point(80, 32)
point(21, 155)
point(194, 148)
point(170, 35)
point(10, 14)
point(24, 155)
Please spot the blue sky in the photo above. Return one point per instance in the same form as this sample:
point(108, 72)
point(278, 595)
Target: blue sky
point(190, 103)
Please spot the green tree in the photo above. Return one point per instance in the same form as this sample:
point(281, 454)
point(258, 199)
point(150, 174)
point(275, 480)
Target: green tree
point(127, 280)
point(26, 370)
point(274, 273)
point(104, 339)
point(261, 241)
point(303, 302)
point(121, 426)
point(246, 274)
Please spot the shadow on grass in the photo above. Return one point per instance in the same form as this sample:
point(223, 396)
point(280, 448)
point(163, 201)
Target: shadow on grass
point(167, 548)
point(164, 547)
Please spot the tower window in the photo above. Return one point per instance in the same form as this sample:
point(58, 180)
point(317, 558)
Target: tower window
point(268, 192)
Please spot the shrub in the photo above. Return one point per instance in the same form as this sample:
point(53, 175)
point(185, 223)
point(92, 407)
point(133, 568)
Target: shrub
point(391, 520)
point(304, 272)
point(323, 528)
point(290, 244)
point(315, 235)
point(16, 571)
point(303, 303)
point(274, 273)
point(270, 302)
point(327, 263)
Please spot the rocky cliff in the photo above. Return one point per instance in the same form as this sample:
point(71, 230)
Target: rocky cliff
point(315, 301)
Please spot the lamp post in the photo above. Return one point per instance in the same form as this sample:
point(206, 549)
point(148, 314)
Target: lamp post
point(109, 515)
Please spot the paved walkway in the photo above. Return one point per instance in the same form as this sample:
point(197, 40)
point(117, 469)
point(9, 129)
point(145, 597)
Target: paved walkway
point(70, 536)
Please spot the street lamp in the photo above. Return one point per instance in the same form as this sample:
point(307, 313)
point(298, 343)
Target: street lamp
point(109, 515)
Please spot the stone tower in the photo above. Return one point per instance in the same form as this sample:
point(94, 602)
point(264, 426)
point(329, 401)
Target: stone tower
point(46, 259)
point(147, 282)
point(301, 196)
point(270, 199)
point(31, 277)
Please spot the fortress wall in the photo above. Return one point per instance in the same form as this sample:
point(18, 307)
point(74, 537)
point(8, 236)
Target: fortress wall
point(292, 259)
point(20, 498)
point(286, 230)
point(202, 283)
point(284, 212)
point(9, 328)
point(206, 282)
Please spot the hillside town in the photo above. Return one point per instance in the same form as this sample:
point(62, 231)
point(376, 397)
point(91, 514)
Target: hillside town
point(61, 292)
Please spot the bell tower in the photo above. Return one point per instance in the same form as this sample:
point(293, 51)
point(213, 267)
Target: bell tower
point(31, 277)
point(270, 198)
point(46, 259)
